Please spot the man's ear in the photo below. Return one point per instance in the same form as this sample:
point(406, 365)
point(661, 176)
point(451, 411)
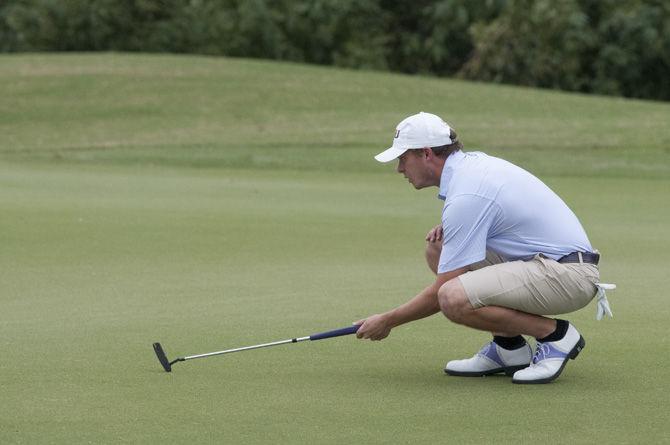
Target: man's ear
point(427, 152)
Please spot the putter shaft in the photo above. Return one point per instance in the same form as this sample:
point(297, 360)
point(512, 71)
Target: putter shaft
point(247, 348)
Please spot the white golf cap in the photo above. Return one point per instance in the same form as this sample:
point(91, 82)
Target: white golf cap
point(417, 131)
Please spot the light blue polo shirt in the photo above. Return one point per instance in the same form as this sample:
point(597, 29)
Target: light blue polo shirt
point(490, 203)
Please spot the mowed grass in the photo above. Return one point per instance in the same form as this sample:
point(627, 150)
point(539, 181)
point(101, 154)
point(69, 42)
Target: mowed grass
point(212, 203)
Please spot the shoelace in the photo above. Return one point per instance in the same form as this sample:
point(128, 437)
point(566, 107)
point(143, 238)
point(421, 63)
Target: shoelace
point(540, 352)
point(485, 349)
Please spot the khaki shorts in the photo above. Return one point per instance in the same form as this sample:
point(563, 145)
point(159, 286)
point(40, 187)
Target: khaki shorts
point(539, 286)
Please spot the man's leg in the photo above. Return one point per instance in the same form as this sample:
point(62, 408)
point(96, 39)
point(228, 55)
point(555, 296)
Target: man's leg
point(510, 351)
point(457, 307)
point(433, 250)
point(502, 297)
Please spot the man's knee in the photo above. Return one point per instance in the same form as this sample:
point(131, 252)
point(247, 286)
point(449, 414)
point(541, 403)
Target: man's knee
point(433, 251)
point(453, 301)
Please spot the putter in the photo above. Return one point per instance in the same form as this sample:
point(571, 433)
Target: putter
point(167, 364)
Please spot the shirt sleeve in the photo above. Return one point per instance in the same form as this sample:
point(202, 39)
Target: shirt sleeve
point(466, 221)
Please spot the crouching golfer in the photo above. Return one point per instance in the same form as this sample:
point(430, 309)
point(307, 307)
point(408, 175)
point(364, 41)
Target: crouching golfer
point(508, 252)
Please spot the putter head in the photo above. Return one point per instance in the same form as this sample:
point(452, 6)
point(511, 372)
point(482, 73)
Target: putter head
point(158, 349)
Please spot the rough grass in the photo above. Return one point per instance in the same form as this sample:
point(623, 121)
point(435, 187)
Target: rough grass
point(214, 112)
point(212, 203)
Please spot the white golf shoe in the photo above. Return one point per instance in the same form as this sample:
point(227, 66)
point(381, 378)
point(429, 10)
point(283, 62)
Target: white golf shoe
point(550, 358)
point(491, 359)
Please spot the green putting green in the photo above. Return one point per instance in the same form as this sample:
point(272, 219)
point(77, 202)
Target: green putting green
point(212, 203)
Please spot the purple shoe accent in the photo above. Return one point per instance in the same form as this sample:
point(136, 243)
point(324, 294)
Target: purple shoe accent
point(546, 351)
point(490, 351)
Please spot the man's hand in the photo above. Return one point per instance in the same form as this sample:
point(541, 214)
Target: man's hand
point(375, 327)
point(435, 234)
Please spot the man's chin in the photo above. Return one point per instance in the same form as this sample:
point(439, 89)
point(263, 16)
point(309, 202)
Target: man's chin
point(417, 186)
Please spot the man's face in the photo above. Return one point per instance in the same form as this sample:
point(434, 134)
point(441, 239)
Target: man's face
point(413, 164)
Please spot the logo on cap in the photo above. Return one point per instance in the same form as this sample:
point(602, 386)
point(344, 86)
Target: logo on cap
point(397, 133)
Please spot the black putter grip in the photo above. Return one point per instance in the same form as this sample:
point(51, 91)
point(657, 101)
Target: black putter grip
point(336, 333)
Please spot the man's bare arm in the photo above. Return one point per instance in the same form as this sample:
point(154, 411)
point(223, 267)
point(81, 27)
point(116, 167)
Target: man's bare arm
point(425, 304)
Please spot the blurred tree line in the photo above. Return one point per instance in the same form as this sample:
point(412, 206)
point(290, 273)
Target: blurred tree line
point(619, 47)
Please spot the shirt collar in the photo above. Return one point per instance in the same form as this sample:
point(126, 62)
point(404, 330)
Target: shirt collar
point(448, 171)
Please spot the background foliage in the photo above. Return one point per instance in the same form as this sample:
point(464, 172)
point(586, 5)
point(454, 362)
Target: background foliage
point(600, 46)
